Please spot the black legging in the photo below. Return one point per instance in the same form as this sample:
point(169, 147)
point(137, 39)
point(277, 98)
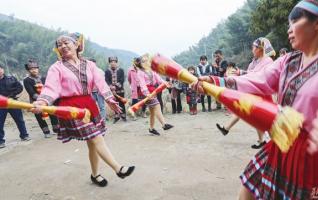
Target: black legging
point(159, 97)
point(122, 106)
point(177, 105)
point(209, 101)
point(43, 125)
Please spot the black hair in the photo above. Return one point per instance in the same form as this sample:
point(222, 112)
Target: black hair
point(298, 13)
point(137, 62)
point(231, 64)
point(191, 67)
point(218, 52)
point(31, 61)
point(203, 57)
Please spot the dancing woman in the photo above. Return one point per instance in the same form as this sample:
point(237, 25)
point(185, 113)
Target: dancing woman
point(262, 52)
point(293, 175)
point(71, 81)
point(147, 81)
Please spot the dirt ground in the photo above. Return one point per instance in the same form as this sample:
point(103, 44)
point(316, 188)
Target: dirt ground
point(192, 161)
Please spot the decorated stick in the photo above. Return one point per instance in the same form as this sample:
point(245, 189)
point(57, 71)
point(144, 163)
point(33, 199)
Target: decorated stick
point(64, 112)
point(38, 88)
point(121, 99)
point(133, 109)
point(283, 124)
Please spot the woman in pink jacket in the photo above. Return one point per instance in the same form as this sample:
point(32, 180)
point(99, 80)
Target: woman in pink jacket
point(272, 174)
point(70, 82)
point(147, 81)
point(262, 51)
point(134, 86)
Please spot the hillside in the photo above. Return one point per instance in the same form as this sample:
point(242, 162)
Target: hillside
point(235, 35)
point(21, 40)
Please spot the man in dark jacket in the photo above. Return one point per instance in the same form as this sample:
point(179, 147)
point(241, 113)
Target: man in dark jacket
point(220, 65)
point(115, 78)
point(10, 87)
point(33, 84)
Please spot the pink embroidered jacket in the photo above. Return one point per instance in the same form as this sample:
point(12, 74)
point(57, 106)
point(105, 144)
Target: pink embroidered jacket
point(148, 78)
point(295, 85)
point(257, 65)
point(133, 82)
point(66, 80)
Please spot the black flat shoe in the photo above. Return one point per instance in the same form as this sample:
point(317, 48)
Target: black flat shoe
point(124, 119)
point(154, 131)
point(167, 127)
point(258, 145)
point(222, 129)
point(116, 120)
point(102, 183)
point(129, 171)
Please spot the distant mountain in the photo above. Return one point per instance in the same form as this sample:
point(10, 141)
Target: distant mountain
point(125, 57)
point(21, 40)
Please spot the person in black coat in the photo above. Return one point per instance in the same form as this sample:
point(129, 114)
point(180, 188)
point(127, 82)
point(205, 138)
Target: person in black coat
point(220, 64)
point(33, 84)
point(11, 87)
point(115, 78)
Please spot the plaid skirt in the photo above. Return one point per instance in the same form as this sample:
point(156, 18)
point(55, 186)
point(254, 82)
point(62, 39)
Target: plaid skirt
point(77, 129)
point(272, 174)
point(152, 102)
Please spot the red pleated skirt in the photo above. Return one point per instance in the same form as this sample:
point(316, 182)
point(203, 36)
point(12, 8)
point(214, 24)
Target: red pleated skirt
point(272, 174)
point(77, 129)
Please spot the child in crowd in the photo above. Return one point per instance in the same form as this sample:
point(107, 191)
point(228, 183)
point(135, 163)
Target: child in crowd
point(192, 95)
point(231, 70)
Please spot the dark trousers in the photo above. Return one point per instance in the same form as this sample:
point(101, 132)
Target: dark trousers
point(176, 103)
point(122, 106)
point(17, 116)
point(43, 125)
point(218, 105)
point(203, 103)
point(159, 97)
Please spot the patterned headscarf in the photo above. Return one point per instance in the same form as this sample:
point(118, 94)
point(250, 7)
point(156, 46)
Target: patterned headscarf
point(266, 45)
point(76, 38)
point(308, 5)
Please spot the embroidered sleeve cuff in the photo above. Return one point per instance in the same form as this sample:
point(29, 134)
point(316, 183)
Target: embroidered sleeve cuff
point(218, 81)
point(108, 95)
point(230, 83)
point(49, 100)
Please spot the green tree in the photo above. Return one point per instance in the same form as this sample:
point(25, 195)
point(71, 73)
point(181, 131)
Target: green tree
point(20, 40)
point(270, 19)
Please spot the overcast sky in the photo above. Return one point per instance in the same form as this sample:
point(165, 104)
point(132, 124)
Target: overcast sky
point(165, 26)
